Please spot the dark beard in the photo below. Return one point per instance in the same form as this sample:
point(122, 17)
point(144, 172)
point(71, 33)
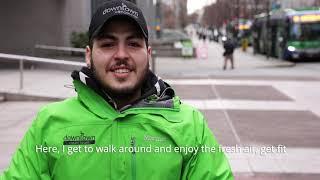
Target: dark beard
point(124, 93)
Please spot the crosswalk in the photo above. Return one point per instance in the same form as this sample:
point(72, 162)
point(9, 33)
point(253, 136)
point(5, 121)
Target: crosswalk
point(304, 95)
point(302, 99)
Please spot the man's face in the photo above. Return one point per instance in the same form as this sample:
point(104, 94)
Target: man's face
point(119, 57)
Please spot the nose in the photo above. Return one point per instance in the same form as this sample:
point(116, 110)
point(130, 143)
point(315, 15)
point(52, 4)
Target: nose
point(121, 52)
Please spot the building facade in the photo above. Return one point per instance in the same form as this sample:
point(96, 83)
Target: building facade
point(50, 22)
point(27, 23)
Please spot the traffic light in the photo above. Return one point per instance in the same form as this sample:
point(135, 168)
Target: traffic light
point(158, 31)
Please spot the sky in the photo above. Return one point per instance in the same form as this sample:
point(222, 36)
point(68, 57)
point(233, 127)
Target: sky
point(194, 5)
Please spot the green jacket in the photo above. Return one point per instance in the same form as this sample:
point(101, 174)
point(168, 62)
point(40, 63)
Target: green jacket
point(65, 142)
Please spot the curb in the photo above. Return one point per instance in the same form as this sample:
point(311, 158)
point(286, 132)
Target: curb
point(2, 98)
point(6, 96)
point(277, 65)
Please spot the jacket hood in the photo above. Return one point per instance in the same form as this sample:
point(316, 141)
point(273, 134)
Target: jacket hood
point(154, 93)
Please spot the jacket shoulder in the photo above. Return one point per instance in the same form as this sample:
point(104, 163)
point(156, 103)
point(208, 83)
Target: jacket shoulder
point(62, 110)
point(60, 106)
point(191, 112)
point(192, 118)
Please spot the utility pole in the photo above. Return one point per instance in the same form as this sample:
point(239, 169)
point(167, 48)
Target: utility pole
point(268, 29)
point(238, 10)
point(238, 19)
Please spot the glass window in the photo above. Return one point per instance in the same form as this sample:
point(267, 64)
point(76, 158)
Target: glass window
point(305, 31)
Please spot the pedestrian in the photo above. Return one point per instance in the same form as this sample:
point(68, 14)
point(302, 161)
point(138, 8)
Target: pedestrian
point(244, 44)
point(120, 104)
point(228, 53)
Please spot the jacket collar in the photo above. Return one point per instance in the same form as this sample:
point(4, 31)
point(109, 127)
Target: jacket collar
point(155, 94)
point(94, 102)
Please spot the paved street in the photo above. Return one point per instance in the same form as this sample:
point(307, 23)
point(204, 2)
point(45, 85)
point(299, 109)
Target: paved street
point(260, 104)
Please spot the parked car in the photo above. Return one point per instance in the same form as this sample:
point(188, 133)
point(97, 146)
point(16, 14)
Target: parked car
point(174, 38)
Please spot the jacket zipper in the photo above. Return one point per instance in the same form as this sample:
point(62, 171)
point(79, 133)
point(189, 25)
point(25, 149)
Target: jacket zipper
point(133, 158)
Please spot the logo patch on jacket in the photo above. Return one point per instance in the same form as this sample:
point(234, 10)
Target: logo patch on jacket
point(154, 138)
point(79, 139)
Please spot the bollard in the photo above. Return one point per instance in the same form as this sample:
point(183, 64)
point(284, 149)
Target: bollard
point(21, 74)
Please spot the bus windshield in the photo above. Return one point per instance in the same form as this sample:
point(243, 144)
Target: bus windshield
point(305, 31)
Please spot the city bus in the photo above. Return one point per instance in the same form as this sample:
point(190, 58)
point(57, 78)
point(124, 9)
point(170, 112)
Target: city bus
point(288, 34)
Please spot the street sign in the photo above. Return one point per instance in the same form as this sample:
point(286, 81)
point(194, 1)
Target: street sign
point(187, 49)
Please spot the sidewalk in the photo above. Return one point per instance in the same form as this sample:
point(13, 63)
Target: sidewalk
point(39, 82)
point(291, 104)
point(245, 63)
point(277, 108)
point(213, 65)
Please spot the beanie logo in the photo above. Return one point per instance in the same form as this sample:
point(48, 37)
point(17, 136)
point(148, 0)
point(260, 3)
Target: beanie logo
point(121, 10)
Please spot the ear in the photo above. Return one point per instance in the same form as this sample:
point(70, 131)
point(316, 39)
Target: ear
point(149, 51)
point(88, 56)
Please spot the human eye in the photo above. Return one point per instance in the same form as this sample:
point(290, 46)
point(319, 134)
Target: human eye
point(134, 44)
point(107, 44)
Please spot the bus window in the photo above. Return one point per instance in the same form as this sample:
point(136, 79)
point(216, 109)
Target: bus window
point(311, 31)
point(295, 32)
point(305, 31)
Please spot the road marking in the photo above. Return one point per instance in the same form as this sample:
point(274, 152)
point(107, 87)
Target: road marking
point(237, 82)
point(244, 105)
point(294, 160)
point(233, 129)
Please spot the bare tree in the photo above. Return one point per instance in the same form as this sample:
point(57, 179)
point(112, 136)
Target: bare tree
point(168, 16)
point(317, 3)
point(224, 11)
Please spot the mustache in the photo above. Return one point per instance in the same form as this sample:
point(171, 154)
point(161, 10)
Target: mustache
point(122, 62)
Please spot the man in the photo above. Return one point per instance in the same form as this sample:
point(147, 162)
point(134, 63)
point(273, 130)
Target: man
point(228, 53)
point(126, 123)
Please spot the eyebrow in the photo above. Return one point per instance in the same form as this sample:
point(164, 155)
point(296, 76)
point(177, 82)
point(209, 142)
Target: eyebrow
point(112, 37)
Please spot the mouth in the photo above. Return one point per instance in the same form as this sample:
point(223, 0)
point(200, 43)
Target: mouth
point(121, 71)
